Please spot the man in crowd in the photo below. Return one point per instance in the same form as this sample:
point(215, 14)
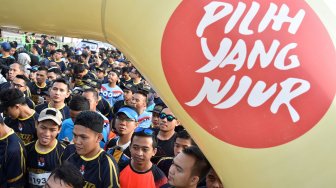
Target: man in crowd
point(40, 87)
point(139, 101)
point(44, 155)
point(14, 69)
point(5, 59)
point(65, 176)
point(128, 90)
point(140, 171)
point(212, 180)
point(166, 135)
point(125, 124)
point(111, 91)
point(21, 82)
point(12, 158)
point(20, 118)
point(188, 169)
point(53, 74)
point(183, 140)
point(59, 91)
point(98, 168)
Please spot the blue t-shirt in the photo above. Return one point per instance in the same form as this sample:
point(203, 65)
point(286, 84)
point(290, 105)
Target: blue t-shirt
point(112, 95)
point(145, 119)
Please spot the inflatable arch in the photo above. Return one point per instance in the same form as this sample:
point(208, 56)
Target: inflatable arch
point(252, 81)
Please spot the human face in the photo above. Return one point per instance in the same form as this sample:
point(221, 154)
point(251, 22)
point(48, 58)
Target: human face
point(52, 76)
point(46, 132)
point(142, 151)
point(139, 101)
point(58, 55)
point(180, 172)
point(212, 180)
point(100, 75)
point(19, 84)
point(165, 125)
point(112, 77)
point(41, 76)
point(86, 141)
point(128, 94)
point(155, 119)
point(12, 51)
point(181, 144)
point(59, 92)
point(126, 75)
point(14, 70)
point(32, 76)
point(124, 125)
point(13, 111)
point(56, 183)
point(92, 100)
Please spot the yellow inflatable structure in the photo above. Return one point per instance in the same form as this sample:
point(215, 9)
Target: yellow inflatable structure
point(252, 81)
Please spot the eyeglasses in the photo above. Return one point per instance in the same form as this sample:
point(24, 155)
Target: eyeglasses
point(170, 118)
point(125, 119)
point(147, 131)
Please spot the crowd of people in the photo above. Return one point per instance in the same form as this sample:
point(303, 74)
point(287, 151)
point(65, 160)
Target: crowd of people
point(82, 118)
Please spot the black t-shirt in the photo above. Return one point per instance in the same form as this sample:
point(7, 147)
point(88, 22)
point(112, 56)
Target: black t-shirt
point(41, 164)
point(37, 91)
point(165, 149)
point(24, 128)
point(98, 171)
point(65, 111)
point(12, 161)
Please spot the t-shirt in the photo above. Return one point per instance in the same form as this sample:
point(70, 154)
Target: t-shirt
point(98, 171)
point(12, 161)
point(145, 119)
point(61, 64)
point(120, 154)
point(24, 128)
point(112, 95)
point(164, 164)
point(37, 91)
point(41, 164)
point(152, 178)
point(165, 148)
point(65, 111)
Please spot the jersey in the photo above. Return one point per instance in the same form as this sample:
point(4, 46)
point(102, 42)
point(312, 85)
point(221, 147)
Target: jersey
point(65, 111)
point(152, 178)
point(112, 95)
point(37, 91)
point(120, 154)
point(12, 161)
point(145, 119)
point(165, 149)
point(98, 171)
point(41, 164)
point(164, 164)
point(24, 128)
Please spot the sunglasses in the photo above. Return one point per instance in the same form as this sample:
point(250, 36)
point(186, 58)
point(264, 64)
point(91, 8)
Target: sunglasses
point(170, 118)
point(147, 131)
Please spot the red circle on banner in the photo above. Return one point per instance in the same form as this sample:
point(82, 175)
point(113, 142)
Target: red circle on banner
point(204, 50)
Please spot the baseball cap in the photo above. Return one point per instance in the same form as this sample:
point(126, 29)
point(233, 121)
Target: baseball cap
point(129, 112)
point(6, 46)
point(34, 68)
point(51, 114)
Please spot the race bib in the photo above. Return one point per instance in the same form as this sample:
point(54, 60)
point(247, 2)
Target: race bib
point(38, 179)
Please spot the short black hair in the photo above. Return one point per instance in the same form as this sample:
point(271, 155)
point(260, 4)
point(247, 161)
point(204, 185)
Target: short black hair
point(143, 134)
point(52, 52)
point(55, 70)
point(11, 97)
point(185, 135)
point(61, 80)
point(43, 68)
point(201, 166)
point(69, 174)
point(79, 68)
point(79, 103)
point(23, 77)
point(93, 91)
point(91, 120)
point(126, 69)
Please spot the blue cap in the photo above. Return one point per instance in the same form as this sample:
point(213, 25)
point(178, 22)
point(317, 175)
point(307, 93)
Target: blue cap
point(129, 112)
point(6, 46)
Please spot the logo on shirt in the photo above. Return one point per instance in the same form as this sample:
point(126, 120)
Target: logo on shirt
point(20, 127)
point(82, 169)
point(41, 162)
